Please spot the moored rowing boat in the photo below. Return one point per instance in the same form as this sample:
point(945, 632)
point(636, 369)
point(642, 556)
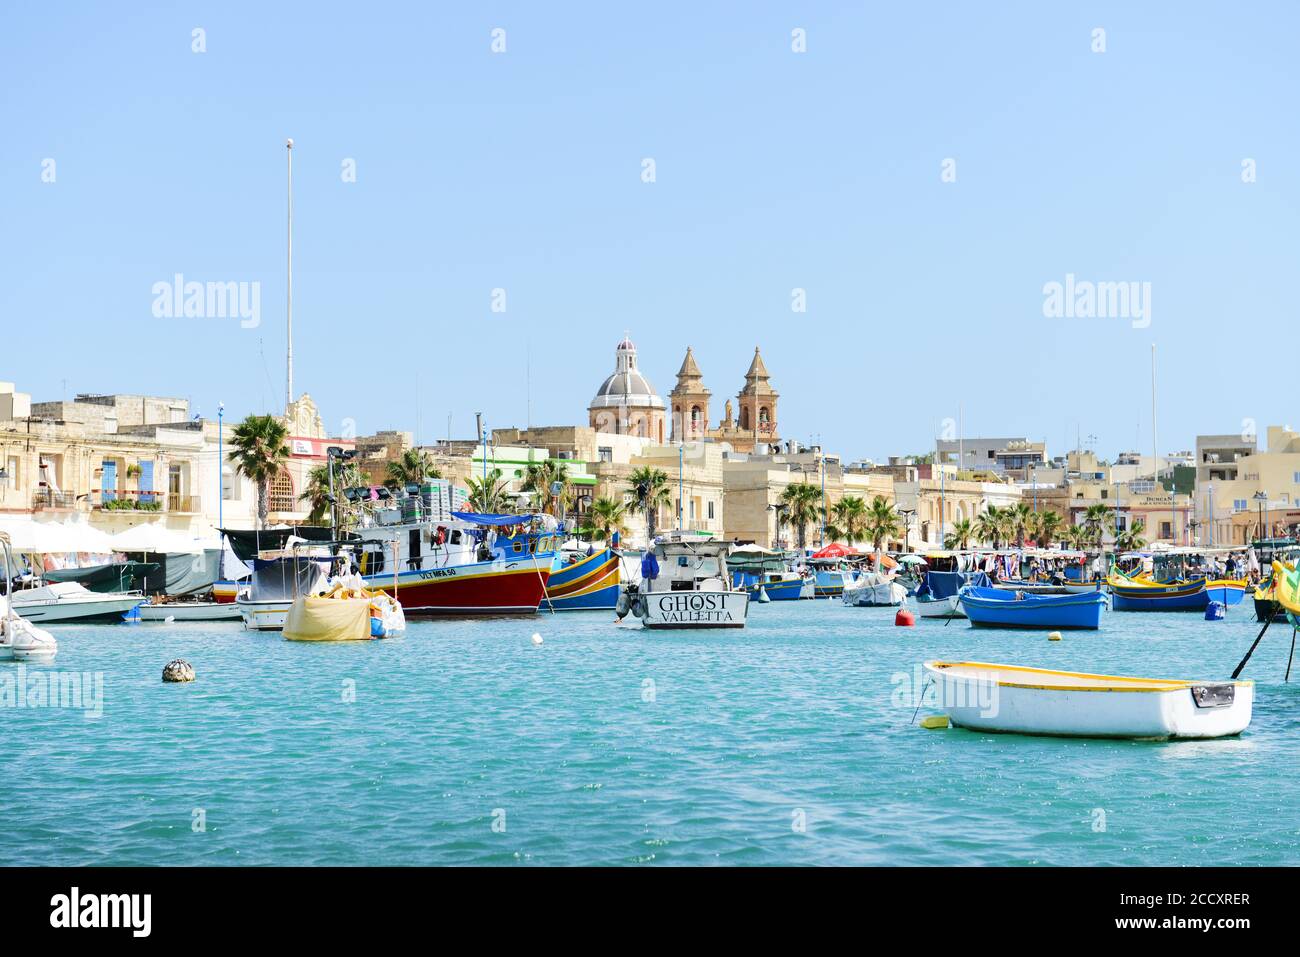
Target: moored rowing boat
point(997, 608)
point(1020, 700)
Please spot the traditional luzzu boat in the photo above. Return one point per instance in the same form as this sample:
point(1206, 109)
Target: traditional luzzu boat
point(580, 582)
point(469, 563)
point(1266, 606)
point(1285, 588)
point(999, 608)
point(1019, 700)
point(1142, 594)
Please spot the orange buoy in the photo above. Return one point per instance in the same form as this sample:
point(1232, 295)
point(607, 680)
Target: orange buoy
point(904, 618)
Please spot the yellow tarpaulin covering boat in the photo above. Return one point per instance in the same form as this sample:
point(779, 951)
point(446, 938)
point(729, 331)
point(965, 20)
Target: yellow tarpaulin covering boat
point(344, 614)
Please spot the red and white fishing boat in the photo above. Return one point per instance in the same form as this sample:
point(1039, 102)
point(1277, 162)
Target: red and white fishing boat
point(467, 564)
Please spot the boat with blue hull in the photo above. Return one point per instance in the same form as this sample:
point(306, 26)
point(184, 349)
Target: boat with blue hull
point(780, 586)
point(1000, 608)
point(580, 582)
point(1144, 595)
point(757, 570)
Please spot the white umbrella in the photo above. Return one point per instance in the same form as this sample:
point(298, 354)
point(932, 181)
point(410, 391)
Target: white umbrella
point(158, 538)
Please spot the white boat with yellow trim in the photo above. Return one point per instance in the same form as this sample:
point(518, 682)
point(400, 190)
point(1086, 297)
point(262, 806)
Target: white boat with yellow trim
point(1020, 700)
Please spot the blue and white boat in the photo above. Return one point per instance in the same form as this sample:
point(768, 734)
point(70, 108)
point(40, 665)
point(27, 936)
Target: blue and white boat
point(1002, 608)
point(937, 596)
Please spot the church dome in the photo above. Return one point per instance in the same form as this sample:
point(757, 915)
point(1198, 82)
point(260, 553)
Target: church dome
point(627, 387)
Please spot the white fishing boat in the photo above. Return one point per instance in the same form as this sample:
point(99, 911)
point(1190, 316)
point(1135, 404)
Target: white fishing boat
point(19, 639)
point(280, 576)
point(1011, 698)
point(872, 589)
point(69, 601)
point(684, 585)
point(190, 611)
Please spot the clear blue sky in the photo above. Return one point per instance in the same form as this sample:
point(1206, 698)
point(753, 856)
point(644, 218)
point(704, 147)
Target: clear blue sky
point(775, 170)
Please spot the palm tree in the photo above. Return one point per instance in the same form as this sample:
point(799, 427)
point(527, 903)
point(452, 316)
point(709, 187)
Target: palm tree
point(988, 526)
point(1076, 536)
point(604, 518)
point(414, 466)
point(487, 494)
point(259, 450)
point(539, 479)
point(1095, 520)
point(850, 517)
point(1049, 525)
point(961, 534)
point(1020, 521)
point(317, 492)
point(650, 490)
point(1007, 525)
point(800, 499)
point(882, 522)
point(1130, 540)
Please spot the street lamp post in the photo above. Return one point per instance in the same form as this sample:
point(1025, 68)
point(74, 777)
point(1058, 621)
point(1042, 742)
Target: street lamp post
point(681, 452)
point(1211, 504)
point(221, 466)
point(907, 514)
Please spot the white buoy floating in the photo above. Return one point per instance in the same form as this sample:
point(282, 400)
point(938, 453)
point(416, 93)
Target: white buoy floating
point(537, 639)
point(1054, 636)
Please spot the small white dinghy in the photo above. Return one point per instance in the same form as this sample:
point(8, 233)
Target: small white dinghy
point(20, 640)
point(1010, 698)
point(949, 607)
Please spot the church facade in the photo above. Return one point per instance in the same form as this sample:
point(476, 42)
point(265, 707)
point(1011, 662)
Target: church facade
point(753, 429)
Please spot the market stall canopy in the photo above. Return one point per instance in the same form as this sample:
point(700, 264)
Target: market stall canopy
point(157, 537)
point(912, 560)
point(752, 549)
point(836, 550)
point(27, 534)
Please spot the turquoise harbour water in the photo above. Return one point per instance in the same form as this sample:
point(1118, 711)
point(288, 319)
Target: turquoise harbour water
point(463, 724)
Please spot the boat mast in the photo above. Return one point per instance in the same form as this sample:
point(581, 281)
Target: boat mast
point(288, 384)
point(1155, 456)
